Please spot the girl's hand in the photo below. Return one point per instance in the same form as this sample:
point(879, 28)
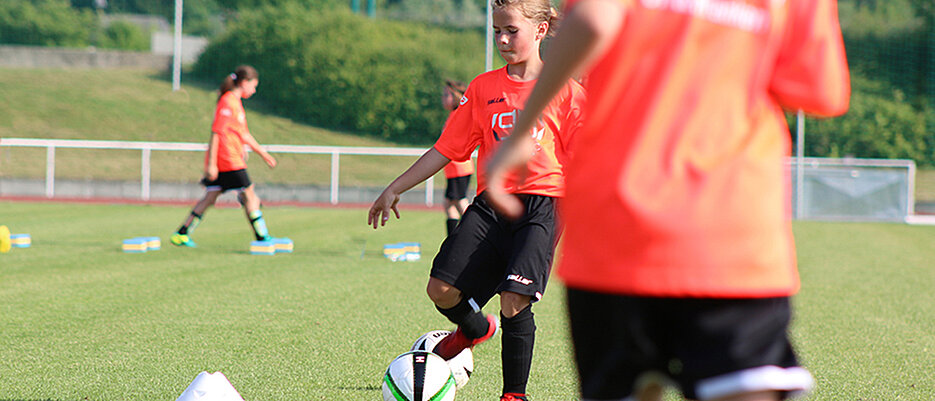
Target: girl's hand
point(380, 211)
point(270, 160)
point(512, 155)
point(211, 173)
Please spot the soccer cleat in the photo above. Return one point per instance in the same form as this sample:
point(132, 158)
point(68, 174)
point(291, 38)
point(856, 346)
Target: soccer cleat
point(513, 397)
point(452, 345)
point(182, 240)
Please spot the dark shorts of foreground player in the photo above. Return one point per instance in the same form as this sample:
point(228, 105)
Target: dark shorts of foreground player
point(708, 348)
point(228, 180)
point(488, 254)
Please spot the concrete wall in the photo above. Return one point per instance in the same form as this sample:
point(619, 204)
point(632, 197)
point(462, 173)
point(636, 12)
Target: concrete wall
point(192, 46)
point(55, 57)
point(162, 191)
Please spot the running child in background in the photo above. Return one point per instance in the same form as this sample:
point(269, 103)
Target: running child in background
point(678, 251)
point(458, 174)
point(225, 161)
point(488, 254)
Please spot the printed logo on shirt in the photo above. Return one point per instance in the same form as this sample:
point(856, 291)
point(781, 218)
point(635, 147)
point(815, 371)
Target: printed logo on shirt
point(226, 112)
point(735, 14)
point(496, 100)
point(464, 100)
point(519, 279)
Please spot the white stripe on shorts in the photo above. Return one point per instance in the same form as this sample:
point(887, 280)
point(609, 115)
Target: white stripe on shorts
point(764, 378)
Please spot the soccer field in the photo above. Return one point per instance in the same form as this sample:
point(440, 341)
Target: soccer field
point(81, 320)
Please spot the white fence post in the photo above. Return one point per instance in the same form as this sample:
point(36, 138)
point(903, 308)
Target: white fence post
point(50, 172)
point(335, 165)
point(145, 172)
point(429, 191)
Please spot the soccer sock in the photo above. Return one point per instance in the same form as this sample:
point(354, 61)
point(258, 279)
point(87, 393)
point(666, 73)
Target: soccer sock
point(467, 315)
point(185, 229)
point(258, 224)
point(519, 335)
point(451, 224)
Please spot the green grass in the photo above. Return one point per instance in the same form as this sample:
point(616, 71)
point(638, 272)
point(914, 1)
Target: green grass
point(925, 185)
point(80, 320)
point(134, 105)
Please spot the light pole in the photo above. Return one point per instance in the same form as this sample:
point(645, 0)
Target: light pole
point(177, 48)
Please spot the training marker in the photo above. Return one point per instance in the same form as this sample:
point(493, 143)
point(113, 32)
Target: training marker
point(210, 387)
point(134, 245)
point(282, 245)
point(20, 240)
point(262, 248)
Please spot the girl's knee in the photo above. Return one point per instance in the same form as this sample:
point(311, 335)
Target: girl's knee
point(512, 303)
point(442, 293)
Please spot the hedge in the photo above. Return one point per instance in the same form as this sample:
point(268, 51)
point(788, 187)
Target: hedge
point(339, 70)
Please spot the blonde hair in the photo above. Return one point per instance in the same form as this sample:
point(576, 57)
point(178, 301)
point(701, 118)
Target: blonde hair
point(537, 11)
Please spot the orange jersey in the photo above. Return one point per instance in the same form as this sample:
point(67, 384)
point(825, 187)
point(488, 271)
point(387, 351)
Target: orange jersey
point(458, 168)
point(679, 187)
point(230, 123)
point(485, 117)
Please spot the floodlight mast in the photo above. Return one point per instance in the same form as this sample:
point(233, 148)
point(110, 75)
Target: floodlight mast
point(177, 48)
point(488, 49)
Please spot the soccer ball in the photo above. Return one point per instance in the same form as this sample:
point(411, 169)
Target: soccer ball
point(418, 376)
point(462, 365)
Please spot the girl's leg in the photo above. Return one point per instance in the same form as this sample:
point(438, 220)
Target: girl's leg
point(517, 340)
point(473, 326)
point(453, 214)
point(251, 207)
point(194, 217)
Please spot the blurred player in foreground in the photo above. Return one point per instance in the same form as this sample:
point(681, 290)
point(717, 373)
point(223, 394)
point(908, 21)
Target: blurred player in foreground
point(225, 161)
point(678, 250)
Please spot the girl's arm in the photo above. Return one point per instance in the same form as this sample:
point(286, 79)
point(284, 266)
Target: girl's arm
point(211, 165)
point(421, 170)
point(586, 33)
point(253, 144)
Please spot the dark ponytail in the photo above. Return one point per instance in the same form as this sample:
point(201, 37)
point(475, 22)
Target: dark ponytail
point(242, 73)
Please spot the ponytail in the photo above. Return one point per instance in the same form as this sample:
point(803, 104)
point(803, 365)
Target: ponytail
point(240, 74)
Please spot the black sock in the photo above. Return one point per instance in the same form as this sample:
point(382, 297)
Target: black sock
point(451, 224)
point(519, 335)
point(467, 315)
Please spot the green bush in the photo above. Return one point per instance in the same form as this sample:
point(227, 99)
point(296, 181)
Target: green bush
point(44, 23)
point(879, 124)
point(340, 70)
point(125, 36)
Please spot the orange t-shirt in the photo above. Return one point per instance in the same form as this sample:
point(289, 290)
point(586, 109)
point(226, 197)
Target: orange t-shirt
point(458, 168)
point(679, 187)
point(485, 117)
point(230, 122)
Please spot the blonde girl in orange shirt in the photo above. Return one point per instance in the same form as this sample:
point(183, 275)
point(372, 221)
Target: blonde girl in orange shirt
point(488, 254)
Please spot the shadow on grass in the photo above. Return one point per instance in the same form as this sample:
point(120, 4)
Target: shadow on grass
point(357, 388)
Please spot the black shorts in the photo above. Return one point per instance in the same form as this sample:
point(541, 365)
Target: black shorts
point(487, 253)
point(709, 348)
point(457, 187)
point(228, 180)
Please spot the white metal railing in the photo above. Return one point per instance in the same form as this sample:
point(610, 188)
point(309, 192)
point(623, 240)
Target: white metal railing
point(147, 147)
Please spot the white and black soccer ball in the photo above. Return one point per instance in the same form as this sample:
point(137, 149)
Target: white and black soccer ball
point(418, 376)
point(462, 365)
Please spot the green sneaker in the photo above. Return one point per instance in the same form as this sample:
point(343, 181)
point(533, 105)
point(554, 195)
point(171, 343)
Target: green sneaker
point(182, 240)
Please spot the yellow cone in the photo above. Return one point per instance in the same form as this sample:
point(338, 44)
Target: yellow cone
point(5, 242)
